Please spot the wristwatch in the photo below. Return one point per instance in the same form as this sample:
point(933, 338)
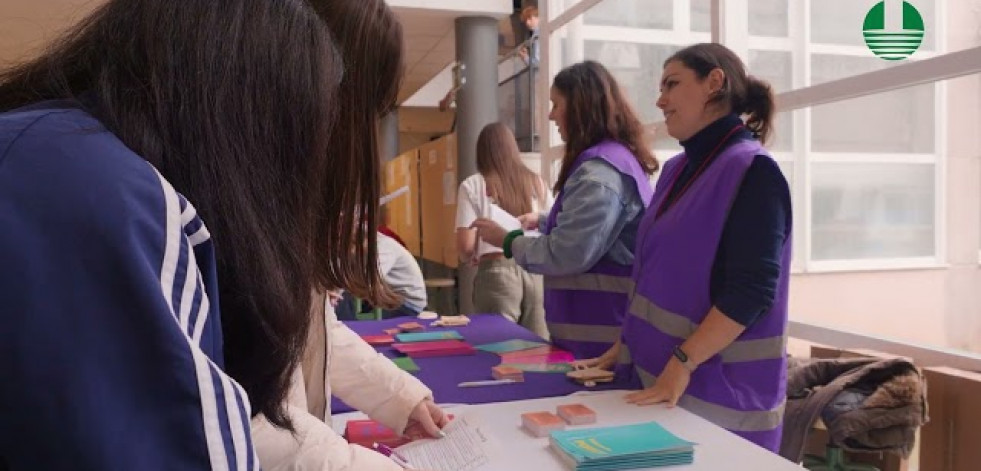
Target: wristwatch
point(683, 359)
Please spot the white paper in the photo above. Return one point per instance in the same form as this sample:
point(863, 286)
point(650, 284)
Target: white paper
point(501, 217)
point(391, 196)
point(465, 447)
point(449, 188)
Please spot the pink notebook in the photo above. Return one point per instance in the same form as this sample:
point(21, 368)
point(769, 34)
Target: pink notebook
point(547, 354)
point(441, 348)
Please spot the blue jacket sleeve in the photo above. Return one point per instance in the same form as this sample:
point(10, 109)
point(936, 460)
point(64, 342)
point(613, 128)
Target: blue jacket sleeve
point(97, 371)
point(597, 205)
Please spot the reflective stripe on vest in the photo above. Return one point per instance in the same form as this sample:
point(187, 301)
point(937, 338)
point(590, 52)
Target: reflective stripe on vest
point(680, 327)
point(591, 282)
point(584, 333)
point(727, 418)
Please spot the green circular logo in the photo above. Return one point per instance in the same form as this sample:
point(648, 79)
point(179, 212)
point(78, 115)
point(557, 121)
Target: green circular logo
point(895, 34)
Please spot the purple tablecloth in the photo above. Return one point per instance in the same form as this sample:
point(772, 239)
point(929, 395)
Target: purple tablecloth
point(442, 374)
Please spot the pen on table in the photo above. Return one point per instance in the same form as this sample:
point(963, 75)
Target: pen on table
point(391, 454)
point(489, 382)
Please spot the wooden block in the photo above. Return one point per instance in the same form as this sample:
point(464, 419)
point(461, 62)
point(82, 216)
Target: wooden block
point(591, 376)
point(452, 321)
point(507, 372)
point(410, 327)
point(378, 339)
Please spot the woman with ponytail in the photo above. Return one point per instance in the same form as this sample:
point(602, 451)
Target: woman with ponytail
point(708, 319)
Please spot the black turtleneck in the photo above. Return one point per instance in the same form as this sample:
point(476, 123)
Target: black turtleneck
point(746, 269)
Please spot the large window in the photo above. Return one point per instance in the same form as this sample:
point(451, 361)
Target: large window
point(865, 171)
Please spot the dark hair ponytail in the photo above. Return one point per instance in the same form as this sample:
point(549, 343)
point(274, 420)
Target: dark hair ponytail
point(745, 94)
point(759, 106)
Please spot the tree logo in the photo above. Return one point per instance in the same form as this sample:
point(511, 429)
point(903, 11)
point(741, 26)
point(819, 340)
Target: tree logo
point(891, 32)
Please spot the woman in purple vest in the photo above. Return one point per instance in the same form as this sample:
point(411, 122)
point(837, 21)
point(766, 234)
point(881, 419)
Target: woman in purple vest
point(586, 251)
point(707, 325)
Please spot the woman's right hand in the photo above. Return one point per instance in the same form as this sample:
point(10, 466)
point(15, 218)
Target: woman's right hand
point(529, 221)
point(606, 361)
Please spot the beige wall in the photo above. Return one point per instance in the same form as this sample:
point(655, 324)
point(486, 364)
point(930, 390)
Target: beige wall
point(27, 25)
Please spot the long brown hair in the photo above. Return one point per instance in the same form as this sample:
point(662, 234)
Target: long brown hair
point(745, 94)
point(509, 182)
point(233, 102)
point(596, 110)
point(370, 40)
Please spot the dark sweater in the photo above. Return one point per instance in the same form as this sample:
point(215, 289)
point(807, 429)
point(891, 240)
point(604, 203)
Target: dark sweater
point(746, 269)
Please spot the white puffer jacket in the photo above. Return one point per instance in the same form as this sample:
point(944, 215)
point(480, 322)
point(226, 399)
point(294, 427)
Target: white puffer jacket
point(359, 376)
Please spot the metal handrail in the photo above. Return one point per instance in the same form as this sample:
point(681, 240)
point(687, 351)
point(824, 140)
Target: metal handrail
point(517, 50)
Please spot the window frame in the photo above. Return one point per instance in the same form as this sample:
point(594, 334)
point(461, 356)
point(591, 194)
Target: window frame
point(729, 25)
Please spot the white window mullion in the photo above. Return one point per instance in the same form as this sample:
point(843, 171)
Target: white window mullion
point(941, 138)
point(734, 32)
point(681, 20)
point(799, 36)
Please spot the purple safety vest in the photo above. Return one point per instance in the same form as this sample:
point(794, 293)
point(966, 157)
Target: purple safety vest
point(743, 388)
point(584, 312)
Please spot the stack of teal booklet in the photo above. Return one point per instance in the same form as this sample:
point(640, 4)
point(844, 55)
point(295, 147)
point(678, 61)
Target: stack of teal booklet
point(644, 445)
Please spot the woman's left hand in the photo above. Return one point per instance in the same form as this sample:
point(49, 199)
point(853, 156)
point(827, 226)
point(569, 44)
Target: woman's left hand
point(668, 387)
point(489, 231)
point(426, 420)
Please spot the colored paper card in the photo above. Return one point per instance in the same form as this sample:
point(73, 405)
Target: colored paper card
point(509, 346)
point(561, 368)
point(406, 363)
point(366, 432)
point(547, 354)
point(441, 348)
point(640, 445)
point(408, 337)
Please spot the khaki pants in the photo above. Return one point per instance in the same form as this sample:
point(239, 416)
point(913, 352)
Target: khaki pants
point(501, 286)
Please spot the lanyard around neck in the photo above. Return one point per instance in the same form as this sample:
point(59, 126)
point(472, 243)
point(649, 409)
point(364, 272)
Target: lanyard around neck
point(668, 201)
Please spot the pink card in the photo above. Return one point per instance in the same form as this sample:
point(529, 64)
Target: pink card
point(538, 355)
point(435, 349)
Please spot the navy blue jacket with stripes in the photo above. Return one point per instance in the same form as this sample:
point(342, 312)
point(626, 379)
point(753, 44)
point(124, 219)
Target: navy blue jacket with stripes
point(110, 336)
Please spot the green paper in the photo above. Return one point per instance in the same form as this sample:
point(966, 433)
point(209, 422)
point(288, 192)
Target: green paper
point(406, 363)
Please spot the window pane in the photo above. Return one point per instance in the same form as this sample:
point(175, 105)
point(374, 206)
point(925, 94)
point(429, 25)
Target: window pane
point(898, 121)
point(828, 67)
point(872, 210)
point(768, 18)
point(775, 67)
point(840, 21)
point(658, 14)
point(637, 67)
point(701, 16)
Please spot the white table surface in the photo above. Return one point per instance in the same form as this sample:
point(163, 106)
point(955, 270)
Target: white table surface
point(716, 449)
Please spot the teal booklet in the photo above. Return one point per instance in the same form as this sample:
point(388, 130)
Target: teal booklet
point(643, 445)
point(562, 368)
point(513, 345)
point(408, 337)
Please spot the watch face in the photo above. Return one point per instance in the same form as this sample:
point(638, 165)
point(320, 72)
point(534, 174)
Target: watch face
point(680, 354)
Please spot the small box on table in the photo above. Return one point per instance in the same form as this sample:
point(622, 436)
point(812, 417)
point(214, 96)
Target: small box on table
point(507, 372)
point(576, 414)
point(541, 423)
